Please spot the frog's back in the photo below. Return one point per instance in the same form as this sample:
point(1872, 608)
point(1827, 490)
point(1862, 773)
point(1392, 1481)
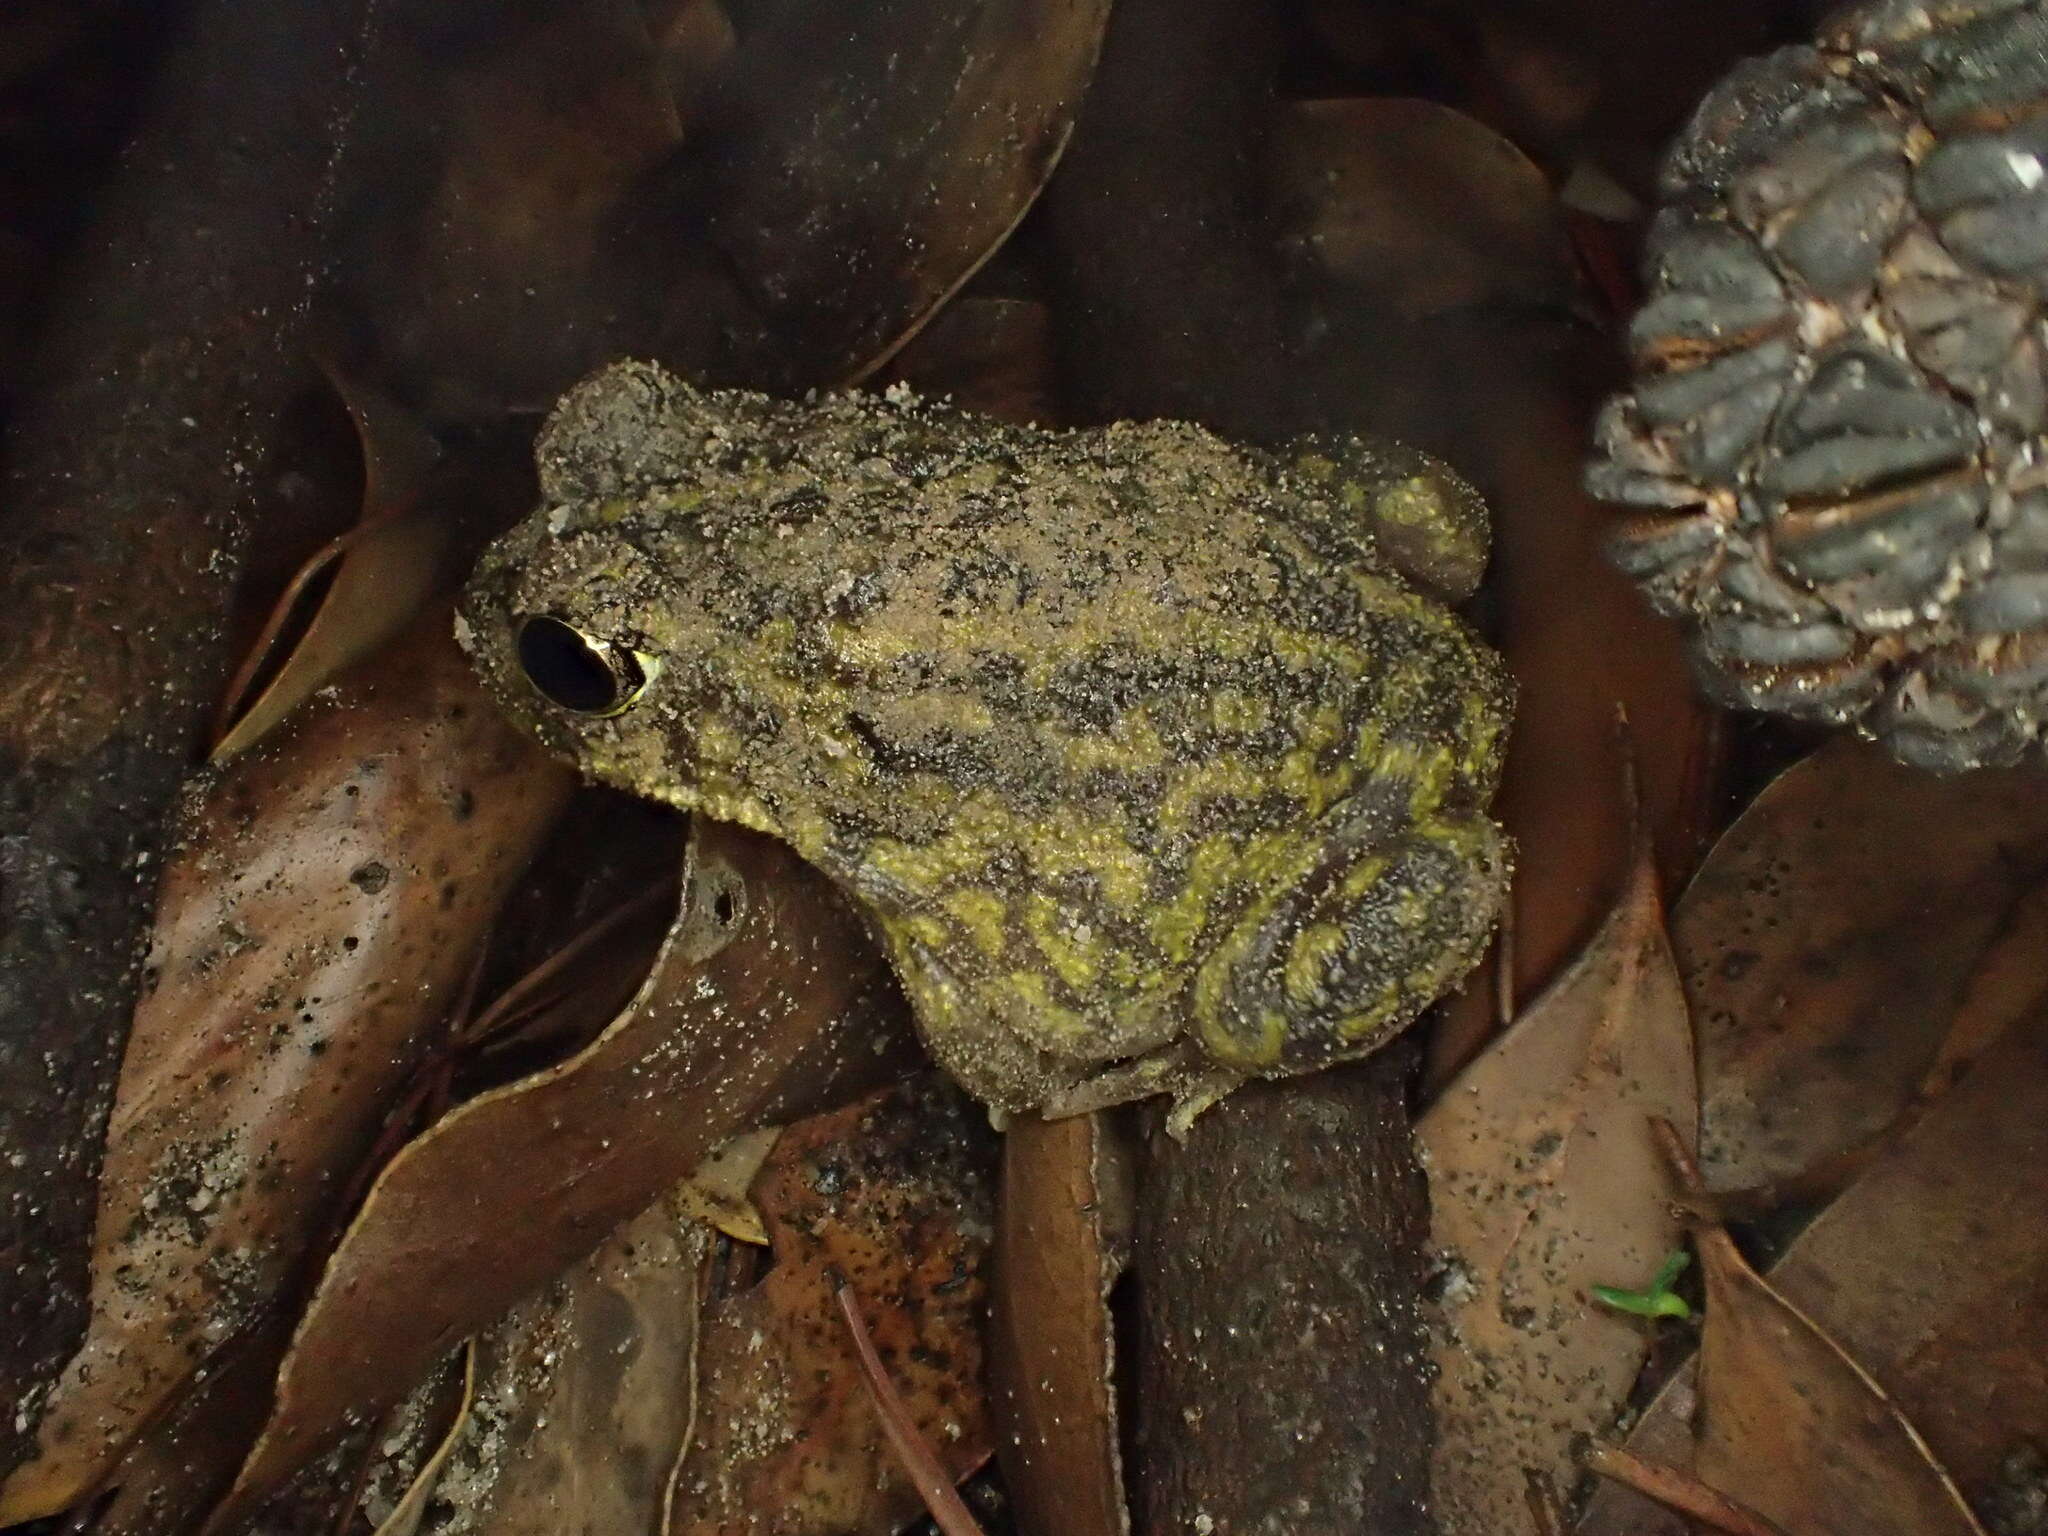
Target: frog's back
point(1056, 706)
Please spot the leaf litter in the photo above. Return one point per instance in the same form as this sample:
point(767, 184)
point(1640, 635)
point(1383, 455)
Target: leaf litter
point(314, 928)
point(497, 1196)
point(1886, 1057)
point(1544, 1185)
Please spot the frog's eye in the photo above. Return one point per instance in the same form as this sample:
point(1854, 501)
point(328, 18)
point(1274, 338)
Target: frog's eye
point(580, 672)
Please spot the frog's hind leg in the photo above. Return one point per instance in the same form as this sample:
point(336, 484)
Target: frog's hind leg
point(1352, 947)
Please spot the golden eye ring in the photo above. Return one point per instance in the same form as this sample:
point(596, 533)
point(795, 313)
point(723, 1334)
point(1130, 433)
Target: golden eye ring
point(577, 671)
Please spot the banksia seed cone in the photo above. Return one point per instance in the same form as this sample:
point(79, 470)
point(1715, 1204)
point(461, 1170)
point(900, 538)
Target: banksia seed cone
point(1839, 403)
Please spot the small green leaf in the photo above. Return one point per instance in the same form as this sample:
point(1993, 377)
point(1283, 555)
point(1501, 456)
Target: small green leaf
point(1655, 1300)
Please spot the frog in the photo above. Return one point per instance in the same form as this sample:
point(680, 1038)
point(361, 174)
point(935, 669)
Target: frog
point(1157, 763)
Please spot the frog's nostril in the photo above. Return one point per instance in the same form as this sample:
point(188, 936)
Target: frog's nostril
point(578, 671)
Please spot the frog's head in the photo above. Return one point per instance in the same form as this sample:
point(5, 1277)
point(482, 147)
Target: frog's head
point(559, 619)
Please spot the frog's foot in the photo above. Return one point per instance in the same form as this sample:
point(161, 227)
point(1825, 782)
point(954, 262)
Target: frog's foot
point(1349, 954)
point(1183, 1070)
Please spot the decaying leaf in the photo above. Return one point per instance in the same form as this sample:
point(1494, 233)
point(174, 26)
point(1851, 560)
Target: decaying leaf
point(1932, 1271)
point(892, 1198)
point(313, 929)
point(1800, 1431)
point(1426, 210)
point(1545, 1181)
point(1062, 1236)
point(405, 1516)
point(480, 217)
point(384, 570)
point(1831, 937)
point(871, 160)
point(585, 1395)
point(767, 1001)
point(988, 354)
point(165, 359)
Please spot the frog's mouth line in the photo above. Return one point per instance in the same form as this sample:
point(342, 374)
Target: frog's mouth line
point(581, 672)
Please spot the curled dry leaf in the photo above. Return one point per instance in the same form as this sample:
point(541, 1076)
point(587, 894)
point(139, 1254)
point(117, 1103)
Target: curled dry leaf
point(767, 1001)
point(1424, 209)
point(1798, 1429)
point(1062, 1236)
point(1435, 262)
point(872, 159)
point(716, 1193)
point(384, 570)
point(314, 926)
point(1932, 1271)
point(405, 1516)
point(891, 1197)
point(1544, 1182)
point(1831, 938)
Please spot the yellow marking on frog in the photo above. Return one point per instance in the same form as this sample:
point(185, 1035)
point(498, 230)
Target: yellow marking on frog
point(925, 929)
point(1047, 1018)
point(1076, 961)
point(1308, 962)
point(1097, 849)
point(1197, 783)
point(1364, 875)
point(1394, 999)
point(984, 917)
point(1180, 921)
point(1131, 745)
point(1237, 713)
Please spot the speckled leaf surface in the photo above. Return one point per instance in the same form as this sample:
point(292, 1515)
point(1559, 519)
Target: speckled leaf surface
point(1798, 1430)
point(1062, 1237)
point(766, 1001)
point(911, 133)
point(585, 1395)
point(894, 1198)
point(316, 921)
point(1832, 938)
point(1544, 1182)
point(1932, 1271)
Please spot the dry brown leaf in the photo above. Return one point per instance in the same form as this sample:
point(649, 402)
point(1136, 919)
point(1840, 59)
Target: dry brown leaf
point(388, 566)
point(1831, 938)
point(480, 229)
point(874, 158)
point(1424, 209)
point(586, 1392)
point(1062, 1235)
point(313, 929)
point(1932, 1270)
point(1791, 1425)
point(767, 1001)
point(405, 1516)
point(1544, 1182)
point(891, 1197)
point(716, 1194)
point(992, 355)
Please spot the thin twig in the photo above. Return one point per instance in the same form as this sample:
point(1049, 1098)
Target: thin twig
point(1680, 1491)
point(940, 1496)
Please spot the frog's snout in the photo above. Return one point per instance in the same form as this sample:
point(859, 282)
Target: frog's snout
point(581, 672)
